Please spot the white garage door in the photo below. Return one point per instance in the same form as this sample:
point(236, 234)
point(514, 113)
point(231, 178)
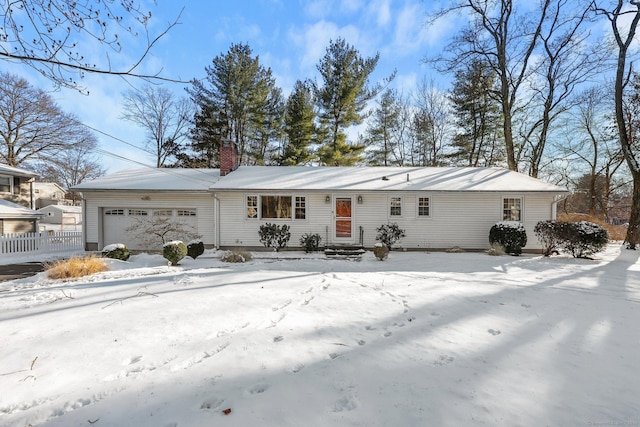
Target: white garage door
point(117, 225)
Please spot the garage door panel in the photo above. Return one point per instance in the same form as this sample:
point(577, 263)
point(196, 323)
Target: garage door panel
point(116, 221)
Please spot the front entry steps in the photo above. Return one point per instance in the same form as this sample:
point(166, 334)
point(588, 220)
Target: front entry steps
point(344, 251)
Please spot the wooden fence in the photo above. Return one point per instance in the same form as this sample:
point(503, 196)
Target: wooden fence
point(40, 243)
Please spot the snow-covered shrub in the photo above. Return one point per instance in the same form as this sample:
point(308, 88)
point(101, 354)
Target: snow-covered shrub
point(389, 234)
point(510, 235)
point(116, 251)
point(310, 242)
point(381, 251)
point(549, 236)
point(274, 236)
point(235, 256)
point(174, 251)
point(195, 248)
point(583, 239)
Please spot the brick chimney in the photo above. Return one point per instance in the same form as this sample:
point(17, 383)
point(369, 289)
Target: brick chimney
point(228, 157)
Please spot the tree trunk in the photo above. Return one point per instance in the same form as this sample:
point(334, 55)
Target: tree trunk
point(633, 232)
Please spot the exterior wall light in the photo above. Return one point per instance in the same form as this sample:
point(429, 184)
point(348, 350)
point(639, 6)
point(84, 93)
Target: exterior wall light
point(327, 199)
point(359, 199)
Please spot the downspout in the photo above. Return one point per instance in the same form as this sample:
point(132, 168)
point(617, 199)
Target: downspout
point(31, 201)
point(84, 224)
point(554, 206)
point(216, 229)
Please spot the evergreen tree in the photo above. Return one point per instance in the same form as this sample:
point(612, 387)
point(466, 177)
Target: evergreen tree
point(341, 100)
point(384, 130)
point(477, 113)
point(300, 128)
point(236, 101)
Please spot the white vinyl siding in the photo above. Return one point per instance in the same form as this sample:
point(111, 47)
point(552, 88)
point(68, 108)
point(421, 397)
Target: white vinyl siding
point(455, 219)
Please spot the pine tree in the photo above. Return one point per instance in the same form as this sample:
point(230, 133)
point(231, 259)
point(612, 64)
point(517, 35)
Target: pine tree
point(384, 131)
point(238, 100)
point(341, 100)
point(300, 128)
point(477, 115)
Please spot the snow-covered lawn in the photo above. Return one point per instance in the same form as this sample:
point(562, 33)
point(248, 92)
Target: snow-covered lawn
point(422, 339)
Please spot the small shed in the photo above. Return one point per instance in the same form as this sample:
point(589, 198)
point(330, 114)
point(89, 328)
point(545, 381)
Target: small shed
point(61, 214)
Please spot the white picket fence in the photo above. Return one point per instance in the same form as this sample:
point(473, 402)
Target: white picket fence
point(40, 243)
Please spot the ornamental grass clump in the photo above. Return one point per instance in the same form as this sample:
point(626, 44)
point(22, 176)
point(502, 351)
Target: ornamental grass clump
point(75, 267)
point(381, 251)
point(174, 251)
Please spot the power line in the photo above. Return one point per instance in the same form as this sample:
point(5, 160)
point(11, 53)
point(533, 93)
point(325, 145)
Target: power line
point(170, 171)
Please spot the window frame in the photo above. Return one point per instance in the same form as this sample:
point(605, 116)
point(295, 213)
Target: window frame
point(391, 207)
point(255, 206)
point(162, 213)
point(114, 212)
point(10, 181)
point(298, 202)
point(429, 206)
point(186, 213)
point(137, 212)
point(503, 208)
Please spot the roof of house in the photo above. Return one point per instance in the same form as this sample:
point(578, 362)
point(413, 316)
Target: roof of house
point(303, 178)
point(63, 209)
point(154, 179)
point(10, 170)
point(12, 210)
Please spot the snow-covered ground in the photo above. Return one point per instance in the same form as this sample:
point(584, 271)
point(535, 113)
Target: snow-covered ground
point(422, 339)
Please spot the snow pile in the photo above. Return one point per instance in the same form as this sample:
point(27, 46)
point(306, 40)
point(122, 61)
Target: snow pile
point(289, 340)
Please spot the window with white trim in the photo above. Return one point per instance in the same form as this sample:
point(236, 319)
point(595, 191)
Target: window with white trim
point(186, 212)
point(6, 184)
point(138, 212)
point(252, 206)
point(276, 207)
point(395, 206)
point(512, 209)
point(114, 212)
point(424, 206)
point(162, 212)
point(301, 207)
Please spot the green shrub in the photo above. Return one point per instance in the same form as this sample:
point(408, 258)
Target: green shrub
point(174, 251)
point(548, 236)
point(580, 239)
point(583, 239)
point(116, 251)
point(510, 235)
point(389, 234)
point(381, 251)
point(235, 256)
point(274, 236)
point(195, 248)
point(310, 242)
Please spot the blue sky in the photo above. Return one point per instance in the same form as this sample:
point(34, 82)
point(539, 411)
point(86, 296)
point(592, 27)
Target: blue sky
point(289, 37)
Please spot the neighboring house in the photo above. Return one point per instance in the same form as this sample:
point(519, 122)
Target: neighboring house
point(48, 193)
point(17, 219)
point(62, 215)
point(16, 185)
point(438, 208)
